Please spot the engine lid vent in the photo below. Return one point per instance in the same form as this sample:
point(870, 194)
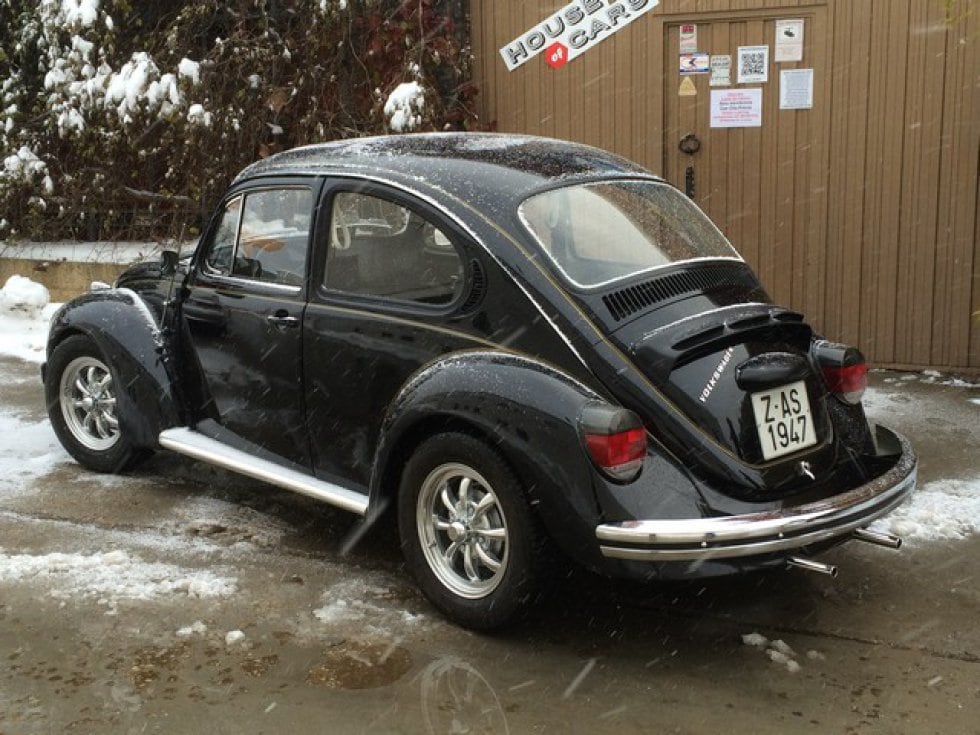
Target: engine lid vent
point(641, 296)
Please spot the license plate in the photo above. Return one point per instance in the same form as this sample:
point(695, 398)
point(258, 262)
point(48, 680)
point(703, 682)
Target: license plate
point(783, 420)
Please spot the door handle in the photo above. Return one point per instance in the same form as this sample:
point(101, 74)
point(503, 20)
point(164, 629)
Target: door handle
point(282, 320)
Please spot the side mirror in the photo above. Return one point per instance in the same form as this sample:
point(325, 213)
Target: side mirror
point(168, 262)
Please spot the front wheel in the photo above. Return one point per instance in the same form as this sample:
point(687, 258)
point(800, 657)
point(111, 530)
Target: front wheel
point(467, 533)
point(81, 395)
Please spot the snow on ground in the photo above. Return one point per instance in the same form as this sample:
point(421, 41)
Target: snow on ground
point(943, 510)
point(24, 316)
point(111, 576)
point(28, 449)
point(354, 599)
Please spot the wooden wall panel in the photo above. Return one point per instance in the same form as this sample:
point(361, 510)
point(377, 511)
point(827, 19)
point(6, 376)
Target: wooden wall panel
point(865, 206)
point(958, 252)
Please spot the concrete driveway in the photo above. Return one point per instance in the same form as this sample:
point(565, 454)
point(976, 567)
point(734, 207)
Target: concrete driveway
point(180, 599)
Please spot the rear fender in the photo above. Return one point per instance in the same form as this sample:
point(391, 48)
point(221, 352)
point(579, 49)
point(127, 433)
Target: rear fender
point(527, 410)
point(124, 329)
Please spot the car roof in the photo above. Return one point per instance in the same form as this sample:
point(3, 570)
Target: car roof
point(476, 167)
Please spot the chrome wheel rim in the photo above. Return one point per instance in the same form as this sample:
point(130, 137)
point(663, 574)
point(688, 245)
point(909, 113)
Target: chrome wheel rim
point(88, 403)
point(463, 530)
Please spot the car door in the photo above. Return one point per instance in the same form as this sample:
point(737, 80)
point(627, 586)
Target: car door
point(243, 311)
point(387, 290)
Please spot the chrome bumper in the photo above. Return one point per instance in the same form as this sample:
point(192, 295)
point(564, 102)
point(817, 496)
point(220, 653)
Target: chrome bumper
point(755, 534)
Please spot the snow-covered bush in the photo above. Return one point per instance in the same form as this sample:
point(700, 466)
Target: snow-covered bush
point(126, 119)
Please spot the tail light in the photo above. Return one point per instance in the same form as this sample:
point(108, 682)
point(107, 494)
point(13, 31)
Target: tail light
point(615, 439)
point(844, 370)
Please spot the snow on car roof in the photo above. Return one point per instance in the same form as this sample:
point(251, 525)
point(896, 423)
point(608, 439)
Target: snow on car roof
point(484, 162)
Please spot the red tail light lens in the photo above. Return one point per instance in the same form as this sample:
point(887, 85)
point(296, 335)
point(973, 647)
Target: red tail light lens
point(847, 382)
point(844, 370)
point(615, 439)
point(618, 455)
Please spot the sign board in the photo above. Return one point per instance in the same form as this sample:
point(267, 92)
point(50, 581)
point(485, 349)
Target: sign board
point(736, 108)
point(721, 70)
point(696, 63)
point(753, 64)
point(789, 41)
point(578, 27)
point(688, 38)
point(796, 89)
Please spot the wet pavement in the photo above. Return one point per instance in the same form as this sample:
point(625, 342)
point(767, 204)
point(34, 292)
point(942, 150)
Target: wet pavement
point(187, 600)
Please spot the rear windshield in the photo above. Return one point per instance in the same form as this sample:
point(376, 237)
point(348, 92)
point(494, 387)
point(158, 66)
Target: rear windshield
point(601, 232)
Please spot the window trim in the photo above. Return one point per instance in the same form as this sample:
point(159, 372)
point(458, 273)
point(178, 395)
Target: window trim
point(200, 264)
point(557, 268)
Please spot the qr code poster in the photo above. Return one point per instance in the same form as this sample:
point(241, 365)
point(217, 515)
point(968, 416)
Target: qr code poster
point(753, 64)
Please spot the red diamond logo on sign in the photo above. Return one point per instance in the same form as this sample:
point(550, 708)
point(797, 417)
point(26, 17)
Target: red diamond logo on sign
point(556, 55)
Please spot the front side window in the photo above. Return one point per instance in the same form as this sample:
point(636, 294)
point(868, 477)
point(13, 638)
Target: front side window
point(602, 232)
point(381, 249)
point(263, 236)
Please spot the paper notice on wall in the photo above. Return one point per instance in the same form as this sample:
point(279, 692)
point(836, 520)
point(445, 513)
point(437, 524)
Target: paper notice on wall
point(796, 89)
point(721, 70)
point(753, 64)
point(736, 108)
point(689, 38)
point(789, 41)
point(696, 63)
point(687, 88)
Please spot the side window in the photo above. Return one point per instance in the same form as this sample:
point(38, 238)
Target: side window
point(272, 242)
point(222, 250)
point(382, 249)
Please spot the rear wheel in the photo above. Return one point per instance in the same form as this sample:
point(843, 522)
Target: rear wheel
point(81, 395)
point(466, 530)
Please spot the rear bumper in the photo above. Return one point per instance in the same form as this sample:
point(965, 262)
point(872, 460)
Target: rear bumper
point(756, 534)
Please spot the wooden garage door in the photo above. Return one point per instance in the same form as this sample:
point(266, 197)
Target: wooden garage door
point(765, 186)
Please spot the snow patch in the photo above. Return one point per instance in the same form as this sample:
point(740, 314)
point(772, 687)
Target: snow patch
point(196, 628)
point(22, 296)
point(778, 651)
point(24, 165)
point(404, 106)
point(353, 600)
point(190, 70)
point(28, 449)
point(942, 510)
point(197, 115)
point(233, 637)
point(111, 576)
point(80, 12)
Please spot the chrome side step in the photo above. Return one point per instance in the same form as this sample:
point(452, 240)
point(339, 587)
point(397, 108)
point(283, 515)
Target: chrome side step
point(192, 443)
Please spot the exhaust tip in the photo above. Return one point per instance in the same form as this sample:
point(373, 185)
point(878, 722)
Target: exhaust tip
point(878, 538)
point(812, 566)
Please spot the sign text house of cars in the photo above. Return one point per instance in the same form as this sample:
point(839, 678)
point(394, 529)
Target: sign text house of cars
point(573, 30)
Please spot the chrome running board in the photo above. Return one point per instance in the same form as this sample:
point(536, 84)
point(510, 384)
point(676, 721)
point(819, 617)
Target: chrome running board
point(194, 444)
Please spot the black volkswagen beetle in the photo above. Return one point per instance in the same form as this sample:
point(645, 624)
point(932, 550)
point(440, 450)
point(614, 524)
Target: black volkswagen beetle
point(510, 340)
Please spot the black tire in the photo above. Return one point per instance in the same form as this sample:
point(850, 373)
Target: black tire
point(467, 532)
point(80, 391)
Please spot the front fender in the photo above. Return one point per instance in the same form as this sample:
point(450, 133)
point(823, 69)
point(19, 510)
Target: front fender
point(528, 410)
point(130, 339)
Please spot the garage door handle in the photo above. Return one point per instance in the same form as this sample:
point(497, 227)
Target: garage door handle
point(282, 320)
